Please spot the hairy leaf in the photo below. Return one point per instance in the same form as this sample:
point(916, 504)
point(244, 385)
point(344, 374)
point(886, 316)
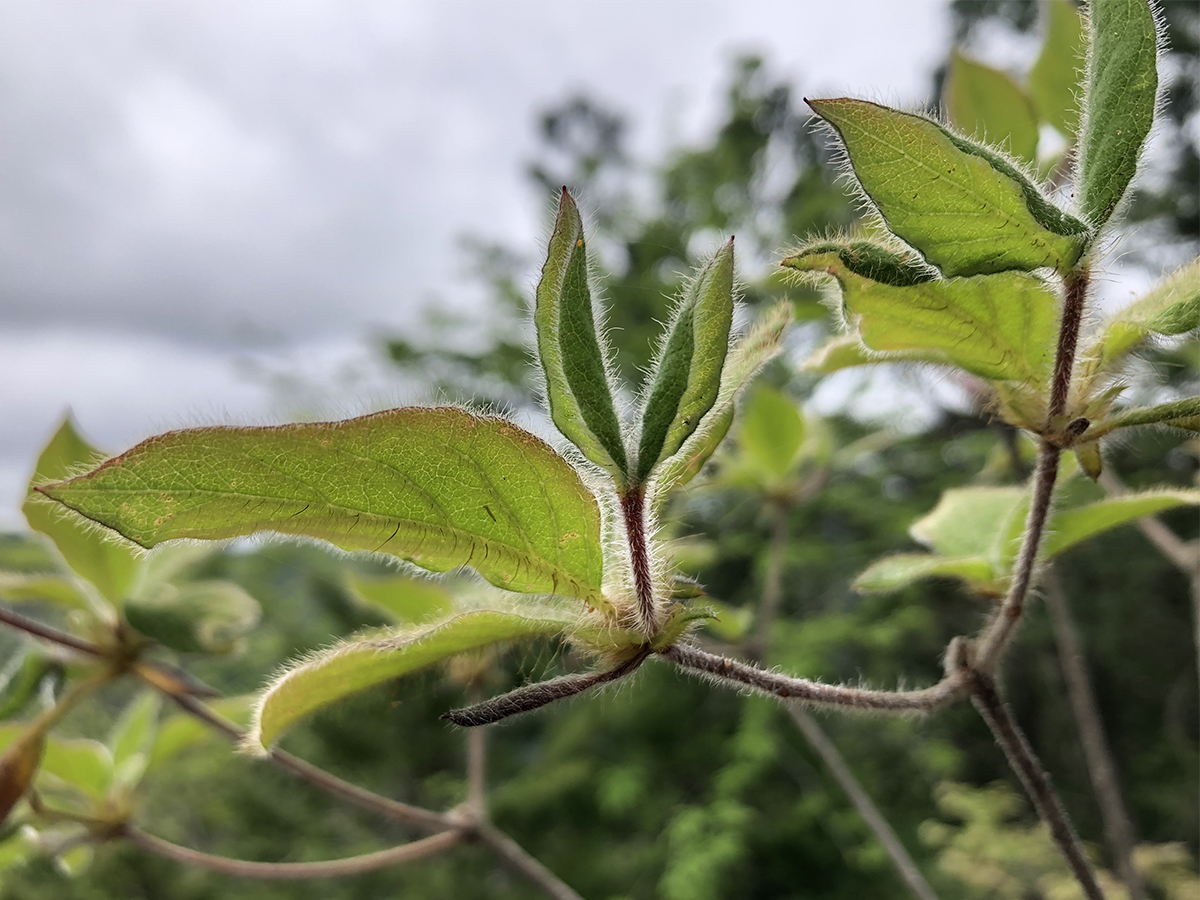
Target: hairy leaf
point(361, 663)
point(895, 572)
point(1069, 527)
point(687, 375)
point(1122, 88)
point(988, 105)
point(107, 563)
point(401, 598)
point(573, 357)
point(771, 431)
point(745, 361)
point(965, 207)
point(1054, 79)
point(1000, 327)
point(1184, 414)
point(440, 487)
point(869, 259)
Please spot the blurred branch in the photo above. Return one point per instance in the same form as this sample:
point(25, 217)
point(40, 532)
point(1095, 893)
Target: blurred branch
point(46, 633)
point(1101, 767)
point(512, 855)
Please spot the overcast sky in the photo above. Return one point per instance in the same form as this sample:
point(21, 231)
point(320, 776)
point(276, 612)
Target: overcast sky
point(186, 187)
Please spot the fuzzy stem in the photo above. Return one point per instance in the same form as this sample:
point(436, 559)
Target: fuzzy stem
point(1101, 767)
point(804, 691)
point(516, 858)
point(331, 784)
point(1076, 284)
point(46, 633)
point(633, 502)
point(1033, 777)
point(300, 871)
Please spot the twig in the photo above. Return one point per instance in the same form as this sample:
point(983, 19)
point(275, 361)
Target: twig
point(284, 871)
point(514, 856)
point(331, 784)
point(728, 670)
point(1033, 777)
point(903, 863)
point(46, 633)
point(1074, 300)
point(1101, 768)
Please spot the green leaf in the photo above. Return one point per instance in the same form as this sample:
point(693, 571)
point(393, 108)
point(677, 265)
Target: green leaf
point(1172, 307)
point(181, 731)
point(1054, 79)
point(21, 678)
point(1121, 92)
point(895, 572)
point(869, 259)
point(107, 563)
point(199, 617)
point(968, 521)
point(54, 590)
point(80, 763)
point(771, 431)
point(18, 766)
point(988, 105)
point(686, 378)
point(574, 360)
point(745, 361)
point(1000, 327)
point(1069, 527)
point(403, 599)
point(135, 730)
point(360, 663)
point(1184, 414)
point(440, 487)
point(966, 208)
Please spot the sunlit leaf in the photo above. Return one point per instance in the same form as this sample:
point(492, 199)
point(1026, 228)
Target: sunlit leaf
point(686, 379)
point(80, 763)
point(1054, 80)
point(574, 358)
point(1121, 92)
point(440, 487)
point(966, 208)
point(988, 105)
point(107, 563)
point(360, 663)
point(1000, 327)
point(967, 521)
point(894, 572)
point(746, 360)
point(1069, 527)
point(402, 598)
point(771, 431)
point(197, 617)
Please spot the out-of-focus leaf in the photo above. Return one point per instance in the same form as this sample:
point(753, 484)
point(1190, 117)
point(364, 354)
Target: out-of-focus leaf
point(198, 617)
point(729, 623)
point(75, 861)
point(967, 521)
point(771, 431)
point(1121, 92)
point(1090, 460)
point(1183, 414)
point(686, 379)
point(360, 663)
point(1000, 327)
point(574, 359)
point(894, 572)
point(54, 590)
point(180, 731)
point(80, 763)
point(18, 765)
point(745, 361)
point(964, 207)
point(106, 562)
point(440, 487)
point(988, 105)
point(1054, 80)
point(402, 598)
point(19, 681)
point(1068, 527)
point(134, 731)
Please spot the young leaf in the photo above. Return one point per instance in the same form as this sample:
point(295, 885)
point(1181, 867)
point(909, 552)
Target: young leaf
point(108, 564)
point(1184, 414)
point(1171, 308)
point(199, 617)
point(895, 572)
point(687, 375)
point(440, 487)
point(967, 521)
point(988, 105)
point(965, 207)
point(79, 763)
point(134, 732)
point(574, 359)
point(18, 765)
point(999, 327)
point(1054, 79)
point(771, 431)
point(357, 664)
point(1122, 89)
point(401, 598)
point(745, 361)
point(1069, 527)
